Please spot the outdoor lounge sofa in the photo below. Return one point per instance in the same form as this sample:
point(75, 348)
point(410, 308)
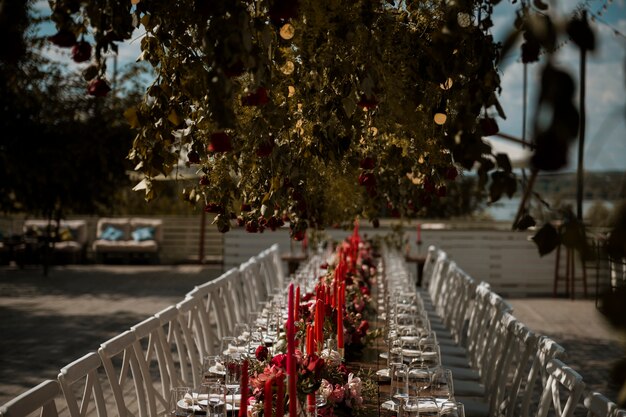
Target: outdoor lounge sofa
point(128, 238)
point(69, 241)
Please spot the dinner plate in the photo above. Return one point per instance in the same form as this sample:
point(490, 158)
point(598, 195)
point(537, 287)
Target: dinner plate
point(383, 374)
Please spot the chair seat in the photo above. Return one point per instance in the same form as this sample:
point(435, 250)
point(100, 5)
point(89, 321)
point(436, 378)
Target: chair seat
point(473, 407)
point(466, 374)
point(451, 360)
point(450, 350)
point(464, 388)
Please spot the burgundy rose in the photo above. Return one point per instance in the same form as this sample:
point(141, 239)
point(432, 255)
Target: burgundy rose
point(363, 327)
point(81, 51)
point(367, 163)
point(193, 157)
point(370, 102)
point(220, 142)
point(489, 126)
point(451, 173)
point(213, 208)
point(204, 180)
point(261, 353)
point(98, 87)
point(367, 179)
point(258, 98)
point(442, 191)
point(279, 360)
point(63, 38)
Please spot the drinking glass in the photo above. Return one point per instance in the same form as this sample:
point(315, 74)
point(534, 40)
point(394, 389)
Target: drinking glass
point(216, 400)
point(213, 370)
point(409, 407)
point(441, 383)
point(419, 378)
point(228, 346)
point(427, 407)
point(399, 382)
point(452, 409)
point(233, 375)
point(181, 402)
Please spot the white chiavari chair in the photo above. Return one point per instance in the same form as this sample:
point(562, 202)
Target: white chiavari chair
point(191, 331)
point(82, 384)
point(38, 401)
point(562, 390)
point(251, 277)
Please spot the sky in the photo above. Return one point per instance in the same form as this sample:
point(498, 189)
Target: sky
point(605, 143)
point(605, 133)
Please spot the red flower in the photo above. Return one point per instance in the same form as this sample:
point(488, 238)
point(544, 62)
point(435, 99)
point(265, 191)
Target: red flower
point(367, 179)
point(261, 353)
point(63, 38)
point(213, 208)
point(315, 365)
point(220, 142)
point(279, 360)
point(367, 163)
point(98, 87)
point(363, 327)
point(258, 98)
point(81, 51)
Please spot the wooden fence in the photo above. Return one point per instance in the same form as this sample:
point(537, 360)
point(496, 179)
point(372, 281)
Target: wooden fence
point(508, 260)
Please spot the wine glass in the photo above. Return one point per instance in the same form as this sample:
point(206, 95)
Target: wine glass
point(228, 345)
point(181, 402)
point(399, 382)
point(233, 374)
point(216, 400)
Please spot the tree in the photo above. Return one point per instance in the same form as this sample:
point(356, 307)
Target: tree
point(62, 151)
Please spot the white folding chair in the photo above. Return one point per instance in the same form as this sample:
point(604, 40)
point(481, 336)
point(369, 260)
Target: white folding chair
point(598, 405)
point(562, 391)
point(121, 364)
point(40, 400)
point(251, 277)
point(82, 385)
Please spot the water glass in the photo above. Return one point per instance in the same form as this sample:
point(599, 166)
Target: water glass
point(409, 407)
point(399, 382)
point(452, 409)
point(213, 370)
point(419, 379)
point(441, 385)
point(181, 402)
point(427, 407)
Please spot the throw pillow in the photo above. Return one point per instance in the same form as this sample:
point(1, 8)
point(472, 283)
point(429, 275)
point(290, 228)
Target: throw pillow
point(112, 233)
point(143, 233)
point(65, 234)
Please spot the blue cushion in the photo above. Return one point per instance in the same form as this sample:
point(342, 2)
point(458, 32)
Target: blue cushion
point(143, 233)
point(111, 233)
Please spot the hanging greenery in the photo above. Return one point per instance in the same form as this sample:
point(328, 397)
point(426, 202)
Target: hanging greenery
point(315, 111)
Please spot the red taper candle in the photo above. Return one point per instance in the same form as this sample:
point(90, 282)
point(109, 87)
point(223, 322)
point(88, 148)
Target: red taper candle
point(280, 397)
point(243, 403)
point(267, 398)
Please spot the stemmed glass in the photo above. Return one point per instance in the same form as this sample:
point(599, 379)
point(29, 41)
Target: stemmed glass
point(216, 400)
point(233, 374)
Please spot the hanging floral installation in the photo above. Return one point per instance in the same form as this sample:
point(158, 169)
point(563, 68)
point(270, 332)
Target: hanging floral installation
point(315, 111)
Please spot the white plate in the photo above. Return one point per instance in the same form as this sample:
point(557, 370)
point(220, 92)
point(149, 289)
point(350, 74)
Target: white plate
point(383, 374)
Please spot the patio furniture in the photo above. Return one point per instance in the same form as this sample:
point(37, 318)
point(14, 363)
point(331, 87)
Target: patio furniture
point(128, 239)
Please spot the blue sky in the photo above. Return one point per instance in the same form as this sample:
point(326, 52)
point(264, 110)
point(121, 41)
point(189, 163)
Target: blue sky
point(605, 141)
point(606, 81)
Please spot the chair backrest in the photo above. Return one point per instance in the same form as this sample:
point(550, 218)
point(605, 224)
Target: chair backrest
point(537, 376)
point(251, 277)
point(40, 399)
point(429, 264)
point(437, 277)
point(562, 390)
point(82, 385)
point(185, 350)
point(151, 345)
point(459, 313)
point(122, 365)
point(598, 405)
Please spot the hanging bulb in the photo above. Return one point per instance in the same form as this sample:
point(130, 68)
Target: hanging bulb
point(440, 115)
